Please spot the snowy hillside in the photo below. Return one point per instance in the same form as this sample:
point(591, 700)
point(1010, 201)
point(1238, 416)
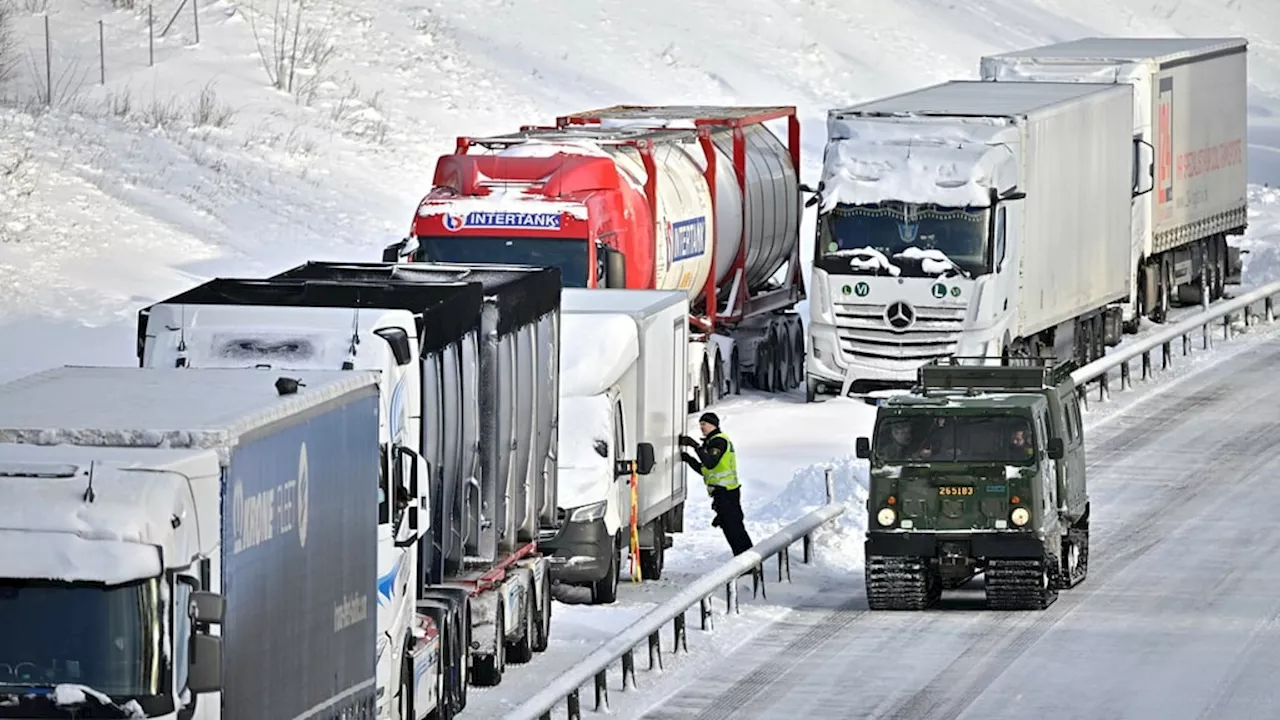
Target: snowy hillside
point(117, 194)
point(121, 193)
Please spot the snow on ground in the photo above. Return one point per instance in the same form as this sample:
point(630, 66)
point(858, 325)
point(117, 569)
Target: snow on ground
point(123, 193)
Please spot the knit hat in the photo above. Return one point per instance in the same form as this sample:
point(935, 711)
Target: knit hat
point(710, 418)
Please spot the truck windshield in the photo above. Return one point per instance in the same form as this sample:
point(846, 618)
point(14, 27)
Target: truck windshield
point(105, 637)
point(908, 236)
point(568, 254)
point(1002, 439)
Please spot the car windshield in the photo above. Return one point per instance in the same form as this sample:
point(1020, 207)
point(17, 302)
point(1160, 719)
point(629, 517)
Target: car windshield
point(1004, 439)
point(105, 637)
point(568, 254)
point(918, 239)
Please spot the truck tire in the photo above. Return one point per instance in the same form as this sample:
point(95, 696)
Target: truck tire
point(811, 390)
point(405, 707)
point(651, 561)
point(486, 670)
point(520, 651)
point(605, 590)
point(542, 624)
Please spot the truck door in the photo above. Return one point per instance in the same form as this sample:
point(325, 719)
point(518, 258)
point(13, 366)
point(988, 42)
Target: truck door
point(1072, 464)
point(1048, 469)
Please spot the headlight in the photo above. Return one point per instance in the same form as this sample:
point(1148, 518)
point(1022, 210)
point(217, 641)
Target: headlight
point(589, 513)
point(886, 516)
point(1020, 516)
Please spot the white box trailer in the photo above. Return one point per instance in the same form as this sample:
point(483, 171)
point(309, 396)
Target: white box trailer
point(970, 218)
point(622, 387)
point(1190, 115)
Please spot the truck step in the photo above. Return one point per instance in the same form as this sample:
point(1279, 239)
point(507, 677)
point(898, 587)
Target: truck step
point(1021, 584)
point(901, 583)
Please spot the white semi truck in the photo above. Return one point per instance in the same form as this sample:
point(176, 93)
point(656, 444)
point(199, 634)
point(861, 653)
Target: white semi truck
point(971, 218)
point(1190, 112)
point(189, 544)
point(480, 574)
point(621, 387)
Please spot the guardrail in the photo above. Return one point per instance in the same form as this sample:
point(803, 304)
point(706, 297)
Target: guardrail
point(1102, 369)
point(621, 648)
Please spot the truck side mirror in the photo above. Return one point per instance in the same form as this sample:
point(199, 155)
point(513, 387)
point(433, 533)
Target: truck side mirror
point(204, 674)
point(1144, 164)
point(615, 268)
point(207, 607)
point(391, 253)
point(645, 458)
point(863, 448)
point(1056, 449)
point(398, 339)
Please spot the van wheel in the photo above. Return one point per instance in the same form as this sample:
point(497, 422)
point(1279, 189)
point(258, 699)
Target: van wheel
point(651, 561)
point(605, 590)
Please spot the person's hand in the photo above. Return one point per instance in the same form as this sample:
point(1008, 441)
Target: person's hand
point(686, 441)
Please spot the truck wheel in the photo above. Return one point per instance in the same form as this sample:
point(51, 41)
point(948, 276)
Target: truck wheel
point(443, 710)
point(542, 624)
point(811, 390)
point(521, 650)
point(605, 590)
point(486, 670)
point(651, 561)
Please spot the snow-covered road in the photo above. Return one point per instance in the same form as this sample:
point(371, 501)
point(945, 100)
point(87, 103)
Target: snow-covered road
point(1178, 618)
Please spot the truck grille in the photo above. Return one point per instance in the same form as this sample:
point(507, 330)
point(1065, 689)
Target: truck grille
point(899, 331)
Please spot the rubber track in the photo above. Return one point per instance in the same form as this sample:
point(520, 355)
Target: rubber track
point(1020, 584)
point(900, 583)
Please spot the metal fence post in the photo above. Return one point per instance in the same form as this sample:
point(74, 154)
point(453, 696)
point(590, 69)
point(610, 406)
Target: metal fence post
point(48, 62)
point(830, 477)
point(102, 55)
point(151, 36)
point(195, 17)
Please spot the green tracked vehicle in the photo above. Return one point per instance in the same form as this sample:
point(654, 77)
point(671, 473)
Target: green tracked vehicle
point(978, 469)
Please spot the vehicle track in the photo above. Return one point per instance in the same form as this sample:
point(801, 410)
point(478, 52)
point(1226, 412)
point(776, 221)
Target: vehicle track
point(1186, 413)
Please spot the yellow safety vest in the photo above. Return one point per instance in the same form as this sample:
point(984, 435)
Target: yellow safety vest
point(725, 473)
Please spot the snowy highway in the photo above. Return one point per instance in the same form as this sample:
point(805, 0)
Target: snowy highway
point(1177, 619)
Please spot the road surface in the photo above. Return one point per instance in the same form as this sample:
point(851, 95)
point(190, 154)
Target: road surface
point(1177, 619)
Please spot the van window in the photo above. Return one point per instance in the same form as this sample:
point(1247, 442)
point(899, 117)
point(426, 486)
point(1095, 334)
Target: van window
point(1069, 419)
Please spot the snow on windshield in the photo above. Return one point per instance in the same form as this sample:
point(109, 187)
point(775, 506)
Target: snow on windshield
point(585, 430)
point(932, 260)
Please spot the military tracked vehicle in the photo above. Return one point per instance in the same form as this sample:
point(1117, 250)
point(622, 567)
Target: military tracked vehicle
point(978, 469)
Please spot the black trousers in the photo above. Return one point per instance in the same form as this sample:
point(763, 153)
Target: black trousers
point(727, 505)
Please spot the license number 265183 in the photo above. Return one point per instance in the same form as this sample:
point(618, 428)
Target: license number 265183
point(956, 490)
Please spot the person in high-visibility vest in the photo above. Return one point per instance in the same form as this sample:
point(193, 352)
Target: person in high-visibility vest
point(717, 463)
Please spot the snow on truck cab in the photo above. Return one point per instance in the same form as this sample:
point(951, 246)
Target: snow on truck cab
point(961, 219)
point(171, 549)
point(980, 468)
point(704, 200)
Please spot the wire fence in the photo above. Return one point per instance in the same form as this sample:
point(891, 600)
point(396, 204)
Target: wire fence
point(62, 56)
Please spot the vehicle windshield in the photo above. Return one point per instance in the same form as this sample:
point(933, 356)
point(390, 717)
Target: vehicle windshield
point(1002, 439)
point(568, 254)
point(919, 240)
point(105, 637)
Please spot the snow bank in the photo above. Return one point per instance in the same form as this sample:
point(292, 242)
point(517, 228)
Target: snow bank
point(838, 543)
point(1262, 240)
point(595, 350)
point(918, 162)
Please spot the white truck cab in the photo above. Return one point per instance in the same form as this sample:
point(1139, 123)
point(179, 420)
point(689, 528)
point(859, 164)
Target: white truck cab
point(329, 338)
point(104, 553)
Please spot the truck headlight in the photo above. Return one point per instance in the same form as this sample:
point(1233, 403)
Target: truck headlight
point(588, 513)
point(886, 516)
point(1020, 516)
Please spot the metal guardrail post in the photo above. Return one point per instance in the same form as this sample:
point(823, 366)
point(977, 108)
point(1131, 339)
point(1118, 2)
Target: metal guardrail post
point(593, 669)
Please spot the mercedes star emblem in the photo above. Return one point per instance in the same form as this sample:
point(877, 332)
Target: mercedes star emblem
point(899, 315)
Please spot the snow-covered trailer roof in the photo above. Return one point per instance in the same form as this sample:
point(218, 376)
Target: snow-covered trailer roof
point(161, 407)
point(1129, 49)
point(972, 98)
